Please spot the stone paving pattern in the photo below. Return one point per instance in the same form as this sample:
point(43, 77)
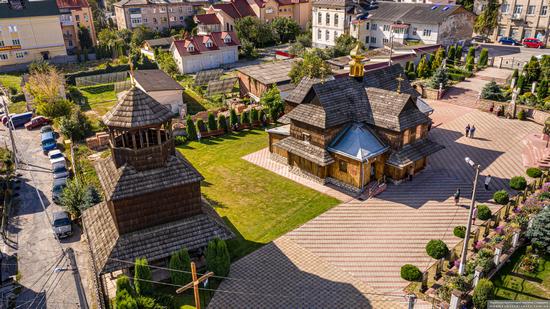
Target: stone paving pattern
point(366, 242)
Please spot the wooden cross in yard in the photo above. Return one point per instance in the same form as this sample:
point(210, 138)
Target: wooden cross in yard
point(195, 284)
point(399, 80)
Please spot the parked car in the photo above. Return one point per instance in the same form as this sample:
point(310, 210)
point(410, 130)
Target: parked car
point(481, 39)
point(506, 40)
point(48, 141)
point(56, 156)
point(57, 189)
point(36, 122)
point(62, 225)
point(6, 118)
point(45, 129)
point(18, 120)
point(532, 43)
point(59, 170)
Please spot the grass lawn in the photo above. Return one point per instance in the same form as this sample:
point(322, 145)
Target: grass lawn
point(100, 99)
point(513, 283)
point(258, 204)
point(11, 80)
point(18, 107)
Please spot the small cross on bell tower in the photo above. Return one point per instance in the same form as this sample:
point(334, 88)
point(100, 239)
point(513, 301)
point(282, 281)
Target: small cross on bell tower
point(399, 80)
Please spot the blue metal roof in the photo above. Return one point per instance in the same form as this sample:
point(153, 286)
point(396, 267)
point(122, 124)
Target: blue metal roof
point(357, 142)
point(424, 107)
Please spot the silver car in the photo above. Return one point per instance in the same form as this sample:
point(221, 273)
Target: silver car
point(62, 225)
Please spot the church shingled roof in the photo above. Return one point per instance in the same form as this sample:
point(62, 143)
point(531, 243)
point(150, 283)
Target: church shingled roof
point(137, 109)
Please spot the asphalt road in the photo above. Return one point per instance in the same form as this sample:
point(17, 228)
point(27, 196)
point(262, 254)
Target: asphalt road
point(518, 52)
point(50, 278)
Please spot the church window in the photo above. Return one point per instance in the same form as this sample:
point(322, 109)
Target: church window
point(343, 166)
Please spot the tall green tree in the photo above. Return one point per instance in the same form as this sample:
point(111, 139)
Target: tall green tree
point(487, 21)
point(542, 90)
point(311, 66)
point(190, 129)
point(76, 197)
point(483, 292)
point(539, 232)
point(75, 126)
point(285, 29)
point(142, 277)
point(123, 283)
point(532, 71)
point(421, 68)
point(467, 4)
point(438, 60)
point(233, 117)
point(85, 38)
point(458, 54)
point(451, 54)
point(166, 62)
point(180, 263)
point(251, 29)
point(440, 77)
point(344, 44)
point(212, 124)
point(124, 300)
point(483, 57)
point(217, 257)
point(271, 99)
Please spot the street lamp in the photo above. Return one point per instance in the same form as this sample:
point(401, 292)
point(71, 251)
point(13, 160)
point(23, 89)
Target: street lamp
point(462, 266)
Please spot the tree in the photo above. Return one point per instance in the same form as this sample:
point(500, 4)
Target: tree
point(532, 72)
point(271, 99)
point(487, 20)
point(521, 83)
point(344, 44)
point(76, 197)
point(484, 212)
point(117, 40)
point(518, 183)
point(534, 172)
point(303, 41)
point(483, 57)
point(542, 90)
point(56, 108)
point(545, 67)
point(181, 261)
point(142, 277)
point(421, 68)
point(190, 129)
point(285, 29)
point(491, 91)
point(311, 66)
point(469, 63)
point(451, 54)
point(440, 78)
point(245, 118)
point(139, 35)
point(201, 127)
point(483, 292)
point(212, 125)
point(76, 126)
point(233, 118)
point(437, 249)
point(44, 83)
point(439, 56)
point(85, 38)
point(501, 197)
point(458, 54)
point(217, 257)
point(539, 233)
point(467, 4)
point(166, 63)
point(190, 24)
point(123, 283)
point(410, 272)
point(252, 29)
point(515, 74)
point(222, 123)
point(459, 231)
point(124, 300)
point(248, 50)
point(254, 115)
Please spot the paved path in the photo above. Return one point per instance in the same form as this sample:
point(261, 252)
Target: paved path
point(367, 242)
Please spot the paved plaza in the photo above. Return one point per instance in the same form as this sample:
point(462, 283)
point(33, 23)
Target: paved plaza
point(352, 254)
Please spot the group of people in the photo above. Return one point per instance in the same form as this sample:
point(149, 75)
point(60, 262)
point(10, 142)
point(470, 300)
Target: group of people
point(470, 131)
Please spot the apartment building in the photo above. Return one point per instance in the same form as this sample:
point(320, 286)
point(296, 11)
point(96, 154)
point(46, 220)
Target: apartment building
point(75, 14)
point(330, 19)
point(29, 30)
point(520, 19)
point(154, 14)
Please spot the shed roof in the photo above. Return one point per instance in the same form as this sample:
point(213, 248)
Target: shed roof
point(413, 152)
point(207, 19)
point(160, 42)
point(269, 73)
point(137, 109)
point(155, 80)
point(413, 12)
point(299, 93)
point(357, 142)
point(305, 150)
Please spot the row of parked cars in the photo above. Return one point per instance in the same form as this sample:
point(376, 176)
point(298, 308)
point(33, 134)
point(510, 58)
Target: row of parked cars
point(62, 224)
point(506, 40)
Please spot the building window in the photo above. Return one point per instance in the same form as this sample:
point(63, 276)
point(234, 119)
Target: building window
point(386, 28)
point(190, 48)
point(367, 39)
point(171, 10)
point(77, 17)
point(86, 17)
point(343, 166)
point(172, 18)
point(135, 21)
point(504, 8)
point(306, 137)
point(182, 18)
point(180, 10)
point(327, 35)
point(144, 20)
point(319, 18)
point(527, 33)
point(367, 26)
point(12, 28)
point(384, 40)
point(518, 9)
point(19, 55)
point(327, 17)
point(227, 39)
point(427, 32)
point(208, 44)
point(16, 42)
point(3, 56)
point(531, 10)
point(162, 10)
point(154, 20)
point(544, 10)
point(373, 40)
point(70, 43)
point(335, 35)
point(374, 27)
point(336, 20)
point(319, 34)
point(500, 31)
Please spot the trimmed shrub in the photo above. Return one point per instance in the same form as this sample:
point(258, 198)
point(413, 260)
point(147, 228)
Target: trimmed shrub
point(534, 172)
point(544, 196)
point(483, 292)
point(437, 249)
point(459, 231)
point(521, 115)
point(411, 75)
point(190, 128)
point(143, 277)
point(180, 261)
point(518, 183)
point(254, 115)
point(201, 127)
point(180, 140)
point(484, 212)
point(217, 257)
point(222, 123)
point(410, 272)
point(245, 117)
point(233, 118)
point(123, 283)
point(483, 57)
point(491, 91)
point(212, 125)
point(457, 77)
point(144, 302)
point(501, 197)
point(124, 300)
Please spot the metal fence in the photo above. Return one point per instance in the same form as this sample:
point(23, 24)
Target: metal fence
point(508, 63)
point(101, 79)
point(123, 85)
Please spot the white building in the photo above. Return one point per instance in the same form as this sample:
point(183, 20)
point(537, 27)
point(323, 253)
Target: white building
point(162, 88)
point(202, 52)
point(329, 20)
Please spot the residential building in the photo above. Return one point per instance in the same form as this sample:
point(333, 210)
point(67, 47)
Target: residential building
point(421, 23)
point(298, 10)
point(29, 30)
point(228, 12)
point(207, 23)
point(75, 14)
point(149, 46)
point(153, 202)
point(202, 52)
point(330, 19)
point(520, 19)
point(163, 88)
point(153, 14)
point(354, 130)
point(254, 80)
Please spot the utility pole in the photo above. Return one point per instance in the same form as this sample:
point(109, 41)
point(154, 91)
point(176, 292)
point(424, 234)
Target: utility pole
point(10, 128)
point(195, 284)
point(462, 266)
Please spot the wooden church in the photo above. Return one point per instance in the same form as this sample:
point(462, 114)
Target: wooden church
point(352, 130)
point(153, 204)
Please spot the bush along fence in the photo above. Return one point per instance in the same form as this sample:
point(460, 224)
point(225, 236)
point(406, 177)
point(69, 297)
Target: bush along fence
point(496, 239)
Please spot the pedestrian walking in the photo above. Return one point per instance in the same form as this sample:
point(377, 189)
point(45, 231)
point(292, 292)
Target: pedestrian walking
point(199, 135)
point(457, 196)
point(472, 131)
point(474, 215)
point(411, 173)
point(487, 182)
point(467, 130)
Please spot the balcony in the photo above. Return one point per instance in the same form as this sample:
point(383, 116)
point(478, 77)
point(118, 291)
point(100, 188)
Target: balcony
point(517, 16)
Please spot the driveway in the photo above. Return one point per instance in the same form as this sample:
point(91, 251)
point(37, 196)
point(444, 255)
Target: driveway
point(352, 254)
point(50, 279)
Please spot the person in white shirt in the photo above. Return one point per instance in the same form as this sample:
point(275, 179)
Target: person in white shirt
point(487, 181)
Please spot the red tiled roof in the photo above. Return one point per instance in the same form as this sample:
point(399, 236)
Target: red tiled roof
point(236, 8)
point(207, 19)
point(68, 4)
point(199, 43)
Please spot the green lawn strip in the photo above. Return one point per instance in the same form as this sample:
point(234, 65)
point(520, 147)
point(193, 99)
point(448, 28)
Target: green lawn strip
point(258, 204)
point(18, 107)
point(100, 97)
point(513, 283)
point(11, 81)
